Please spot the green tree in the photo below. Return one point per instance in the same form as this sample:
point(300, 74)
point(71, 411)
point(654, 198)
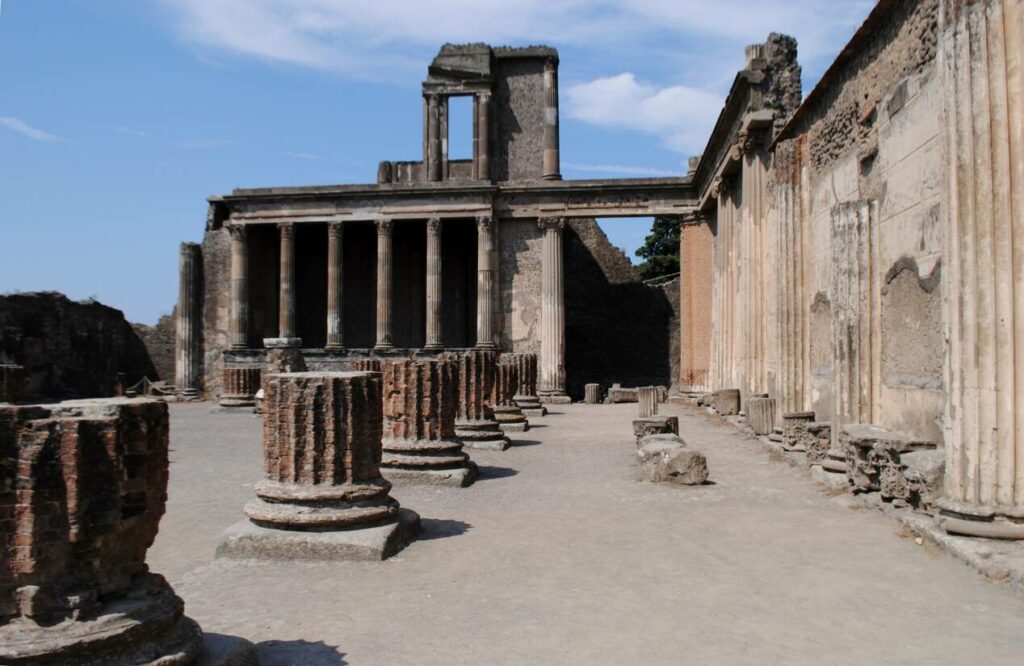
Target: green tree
point(660, 250)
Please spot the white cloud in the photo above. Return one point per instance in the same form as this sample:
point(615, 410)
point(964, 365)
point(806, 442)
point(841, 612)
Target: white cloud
point(23, 128)
point(682, 115)
point(131, 132)
point(619, 169)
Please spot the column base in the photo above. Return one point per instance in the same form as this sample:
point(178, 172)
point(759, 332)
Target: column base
point(988, 522)
point(510, 418)
point(334, 347)
point(482, 435)
point(237, 401)
point(486, 346)
point(383, 346)
point(433, 346)
point(552, 176)
point(189, 395)
point(556, 397)
point(460, 477)
point(531, 405)
point(282, 343)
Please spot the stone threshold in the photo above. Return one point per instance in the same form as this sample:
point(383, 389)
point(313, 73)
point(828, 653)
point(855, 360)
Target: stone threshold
point(997, 560)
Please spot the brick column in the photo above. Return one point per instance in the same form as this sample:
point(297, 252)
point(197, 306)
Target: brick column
point(475, 425)
point(335, 279)
point(551, 151)
point(188, 351)
point(384, 259)
point(526, 398)
point(239, 324)
point(434, 292)
point(552, 345)
point(486, 265)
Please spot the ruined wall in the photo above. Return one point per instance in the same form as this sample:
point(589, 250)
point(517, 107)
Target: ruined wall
point(519, 285)
point(519, 103)
point(69, 349)
point(159, 341)
point(875, 146)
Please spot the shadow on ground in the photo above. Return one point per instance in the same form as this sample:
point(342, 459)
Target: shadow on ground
point(307, 653)
point(523, 442)
point(435, 528)
point(489, 472)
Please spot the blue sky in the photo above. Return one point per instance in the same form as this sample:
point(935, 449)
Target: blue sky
point(119, 117)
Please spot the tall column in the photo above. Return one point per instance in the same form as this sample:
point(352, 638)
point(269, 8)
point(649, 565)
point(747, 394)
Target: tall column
point(286, 297)
point(189, 343)
point(485, 264)
point(239, 286)
point(552, 342)
point(551, 157)
point(434, 284)
point(335, 275)
point(981, 52)
point(483, 133)
point(433, 164)
point(384, 340)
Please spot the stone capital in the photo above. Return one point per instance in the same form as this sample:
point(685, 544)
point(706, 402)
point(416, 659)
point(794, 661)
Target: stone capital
point(557, 223)
point(384, 227)
point(334, 229)
point(434, 226)
point(238, 232)
point(287, 229)
point(485, 222)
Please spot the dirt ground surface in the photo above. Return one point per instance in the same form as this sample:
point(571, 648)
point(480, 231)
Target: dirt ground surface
point(558, 556)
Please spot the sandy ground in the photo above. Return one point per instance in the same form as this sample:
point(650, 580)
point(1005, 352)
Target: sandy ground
point(558, 556)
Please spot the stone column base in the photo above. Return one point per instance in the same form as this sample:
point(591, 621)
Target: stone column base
point(189, 395)
point(237, 401)
point(459, 477)
point(554, 398)
point(979, 521)
point(247, 541)
point(282, 343)
point(531, 405)
point(482, 435)
point(426, 462)
point(510, 418)
point(145, 625)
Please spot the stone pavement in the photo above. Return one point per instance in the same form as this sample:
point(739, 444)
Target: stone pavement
point(557, 555)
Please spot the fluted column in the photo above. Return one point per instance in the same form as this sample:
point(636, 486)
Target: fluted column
point(552, 341)
point(189, 343)
point(239, 286)
point(551, 155)
point(486, 260)
point(335, 251)
point(434, 138)
point(384, 340)
point(433, 284)
point(483, 133)
point(286, 297)
point(981, 52)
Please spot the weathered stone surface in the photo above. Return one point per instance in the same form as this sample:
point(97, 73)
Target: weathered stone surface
point(507, 412)
point(419, 442)
point(159, 342)
point(655, 425)
point(240, 387)
point(794, 425)
point(761, 414)
point(322, 451)
point(617, 395)
point(873, 458)
point(815, 439)
point(475, 424)
point(647, 397)
point(82, 488)
point(284, 359)
point(592, 394)
point(69, 349)
point(727, 402)
point(664, 458)
point(12, 383)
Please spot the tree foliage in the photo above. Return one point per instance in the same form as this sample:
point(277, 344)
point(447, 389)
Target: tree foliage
point(660, 250)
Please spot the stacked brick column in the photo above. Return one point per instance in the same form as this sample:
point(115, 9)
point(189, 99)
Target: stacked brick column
point(419, 442)
point(240, 387)
point(475, 425)
point(527, 397)
point(506, 412)
point(82, 488)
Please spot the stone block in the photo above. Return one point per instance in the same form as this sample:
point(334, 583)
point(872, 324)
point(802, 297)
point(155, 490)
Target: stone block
point(618, 395)
point(666, 458)
point(815, 439)
point(647, 397)
point(592, 394)
point(322, 451)
point(874, 460)
point(84, 485)
point(761, 414)
point(655, 425)
point(727, 402)
point(794, 425)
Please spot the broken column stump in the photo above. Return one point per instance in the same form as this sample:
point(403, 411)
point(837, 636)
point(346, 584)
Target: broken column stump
point(617, 395)
point(475, 425)
point(794, 424)
point(727, 402)
point(655, 425)
point(507, 413)
point(647, 397)
point(240, 387)
point(323, 497)
point(12, 383)
point(83, 485)
point(592, 394)
point(666, 458)
point(527, 397)
point(419, 442)
point(761, 414)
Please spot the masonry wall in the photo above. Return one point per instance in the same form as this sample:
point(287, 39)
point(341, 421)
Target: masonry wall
point(159, 342)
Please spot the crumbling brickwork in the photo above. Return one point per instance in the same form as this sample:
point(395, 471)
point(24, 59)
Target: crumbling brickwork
point(240, 386)
point(12, 383)
point(159, 342)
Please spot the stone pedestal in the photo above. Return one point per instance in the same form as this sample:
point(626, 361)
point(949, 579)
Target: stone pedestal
point(761, 414)
point(526, 397)
point(727, 402)
point(240, 387)
point(475, 424)
point(323, 496)
point(83, 485)
point(12, 383)
point(647, 397)
point(592, 394)
point(419, 442)
point(793, 426)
